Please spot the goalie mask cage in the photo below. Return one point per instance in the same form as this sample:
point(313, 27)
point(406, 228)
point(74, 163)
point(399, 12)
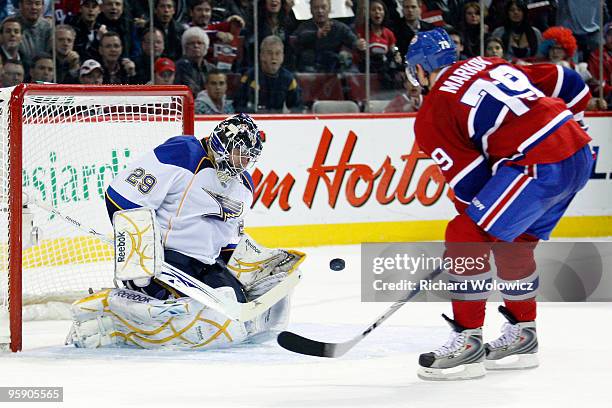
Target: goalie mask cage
point(63, 144)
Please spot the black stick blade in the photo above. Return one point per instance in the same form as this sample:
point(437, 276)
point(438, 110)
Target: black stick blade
point(301, 345)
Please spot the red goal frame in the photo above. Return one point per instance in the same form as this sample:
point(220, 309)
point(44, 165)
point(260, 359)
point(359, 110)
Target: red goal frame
point(15, 159)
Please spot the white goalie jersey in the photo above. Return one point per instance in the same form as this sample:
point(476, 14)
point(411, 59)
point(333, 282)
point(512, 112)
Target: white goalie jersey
point(198, 215)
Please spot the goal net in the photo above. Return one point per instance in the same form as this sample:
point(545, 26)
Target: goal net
point(62, 145)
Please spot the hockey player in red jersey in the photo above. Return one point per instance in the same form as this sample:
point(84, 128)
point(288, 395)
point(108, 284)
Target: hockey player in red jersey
point(510, 142)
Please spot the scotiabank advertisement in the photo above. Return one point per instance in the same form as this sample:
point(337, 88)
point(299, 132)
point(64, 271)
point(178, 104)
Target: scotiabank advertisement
point(319, 174)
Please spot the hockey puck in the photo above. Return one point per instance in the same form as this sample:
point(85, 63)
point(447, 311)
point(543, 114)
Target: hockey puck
point(336, 264)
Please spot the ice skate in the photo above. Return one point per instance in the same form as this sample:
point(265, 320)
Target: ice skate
point(516, 348)
point(461, 358)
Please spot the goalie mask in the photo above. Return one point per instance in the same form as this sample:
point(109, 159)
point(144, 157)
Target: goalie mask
point(236, 144)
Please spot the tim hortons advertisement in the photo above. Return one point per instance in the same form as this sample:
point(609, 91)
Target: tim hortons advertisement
point(319, 180)
point(368, 171)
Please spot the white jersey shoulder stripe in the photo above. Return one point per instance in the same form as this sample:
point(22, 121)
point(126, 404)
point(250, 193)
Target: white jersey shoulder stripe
point(559, 84)
point(578, 97)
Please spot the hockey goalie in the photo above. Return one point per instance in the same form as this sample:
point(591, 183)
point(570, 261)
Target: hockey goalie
point(182, 206)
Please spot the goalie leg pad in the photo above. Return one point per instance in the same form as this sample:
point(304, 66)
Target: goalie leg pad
point(270, 323)
point(273, 320)
point(129, 318)
point(90, 327)
point(94, 333)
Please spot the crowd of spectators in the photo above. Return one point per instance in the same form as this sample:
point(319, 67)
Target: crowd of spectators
point(232, 62)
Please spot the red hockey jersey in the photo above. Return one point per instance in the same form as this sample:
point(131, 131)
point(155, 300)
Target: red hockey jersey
point(485, 112)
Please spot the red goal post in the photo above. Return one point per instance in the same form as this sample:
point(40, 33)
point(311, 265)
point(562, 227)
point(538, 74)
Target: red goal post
point(55, 140)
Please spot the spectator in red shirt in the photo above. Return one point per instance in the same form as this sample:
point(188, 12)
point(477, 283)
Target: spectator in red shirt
point(385, 58)
point(381, 41)
point(65, 10)
point(605, 78)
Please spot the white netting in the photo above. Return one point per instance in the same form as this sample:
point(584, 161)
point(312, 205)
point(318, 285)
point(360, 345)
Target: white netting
point(73, 146)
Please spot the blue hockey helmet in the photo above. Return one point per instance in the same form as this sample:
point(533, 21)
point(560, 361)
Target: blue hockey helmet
point(236, 144)
point(431, 50)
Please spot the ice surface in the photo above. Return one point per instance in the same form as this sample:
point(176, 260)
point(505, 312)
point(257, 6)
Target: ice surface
point(575, 355)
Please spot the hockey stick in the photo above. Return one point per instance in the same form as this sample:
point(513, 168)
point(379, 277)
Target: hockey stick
point(302, 345)
point(192, 287)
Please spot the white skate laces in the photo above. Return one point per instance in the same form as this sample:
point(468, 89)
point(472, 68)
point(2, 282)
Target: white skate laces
point(454, 343)
point(461, 358)
point(516, 348)
point(510, 333)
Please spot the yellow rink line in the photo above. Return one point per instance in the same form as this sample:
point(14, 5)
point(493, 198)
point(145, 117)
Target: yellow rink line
point(80, 250)
point(406, 231)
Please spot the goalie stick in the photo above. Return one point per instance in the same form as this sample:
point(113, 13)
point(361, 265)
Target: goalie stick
point(302, 345)
point(195, 289)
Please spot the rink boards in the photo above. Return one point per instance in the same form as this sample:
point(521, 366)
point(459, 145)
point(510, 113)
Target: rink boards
point(341, 179)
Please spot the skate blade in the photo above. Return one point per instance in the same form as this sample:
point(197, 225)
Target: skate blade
point(462, 372)
point(515, 362)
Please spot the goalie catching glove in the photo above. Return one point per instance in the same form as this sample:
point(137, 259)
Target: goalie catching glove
point(252, 263)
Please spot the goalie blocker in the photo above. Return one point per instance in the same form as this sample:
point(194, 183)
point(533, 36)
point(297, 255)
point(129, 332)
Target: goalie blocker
point(139, 252)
